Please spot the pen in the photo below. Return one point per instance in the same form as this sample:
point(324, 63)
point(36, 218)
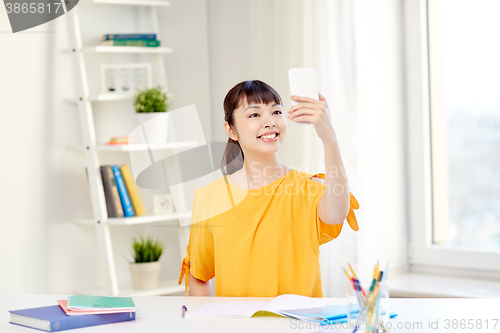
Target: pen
point(356, 290)
point(184, 309)
point(347, 274)
point(383, 277)
point(354, 274)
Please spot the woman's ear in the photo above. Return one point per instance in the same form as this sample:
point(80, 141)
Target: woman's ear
point(230, 131)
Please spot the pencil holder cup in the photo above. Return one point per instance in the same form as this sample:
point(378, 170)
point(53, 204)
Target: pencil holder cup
point(367, 304)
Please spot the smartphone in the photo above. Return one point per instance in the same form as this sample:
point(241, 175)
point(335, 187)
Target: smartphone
point(303, 82)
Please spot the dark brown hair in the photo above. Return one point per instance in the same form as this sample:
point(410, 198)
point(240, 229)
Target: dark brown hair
point(255, 92)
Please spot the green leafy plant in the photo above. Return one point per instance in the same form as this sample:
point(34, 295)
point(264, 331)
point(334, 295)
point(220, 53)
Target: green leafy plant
point(148, 250)
point(151, 100)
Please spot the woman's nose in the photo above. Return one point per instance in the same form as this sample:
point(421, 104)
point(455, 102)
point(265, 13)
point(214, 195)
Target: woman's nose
point(268, 121)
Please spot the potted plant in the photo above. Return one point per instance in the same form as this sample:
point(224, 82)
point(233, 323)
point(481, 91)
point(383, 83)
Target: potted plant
point(152, 103)
point(145, 269)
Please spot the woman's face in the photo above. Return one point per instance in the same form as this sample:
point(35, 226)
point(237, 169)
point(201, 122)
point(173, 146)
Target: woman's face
point(252, 122)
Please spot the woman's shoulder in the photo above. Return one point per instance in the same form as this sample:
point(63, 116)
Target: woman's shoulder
point(212, 188)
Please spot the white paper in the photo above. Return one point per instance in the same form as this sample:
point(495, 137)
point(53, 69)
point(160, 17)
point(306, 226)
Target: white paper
point(248, 309)
point(232, 309)
point(289, 302)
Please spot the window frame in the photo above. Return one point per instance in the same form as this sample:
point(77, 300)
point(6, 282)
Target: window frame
point(422, 108)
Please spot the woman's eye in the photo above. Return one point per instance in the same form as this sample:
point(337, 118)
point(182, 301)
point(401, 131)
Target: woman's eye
point(251, 116)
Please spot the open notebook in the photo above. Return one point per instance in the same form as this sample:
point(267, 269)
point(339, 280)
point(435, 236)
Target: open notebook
point(287, 305)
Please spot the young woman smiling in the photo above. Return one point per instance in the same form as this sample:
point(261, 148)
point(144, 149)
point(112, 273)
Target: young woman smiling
point(258, 229)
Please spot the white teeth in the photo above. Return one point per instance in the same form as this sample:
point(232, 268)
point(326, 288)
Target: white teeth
point(270, 136)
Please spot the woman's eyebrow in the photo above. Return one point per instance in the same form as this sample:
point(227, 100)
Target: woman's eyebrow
point(258, 106)
point(252, 107)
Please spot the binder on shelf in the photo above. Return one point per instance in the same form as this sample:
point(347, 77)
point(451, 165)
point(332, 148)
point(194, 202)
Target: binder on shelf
point(129, 36)
point(128, 42)
point(128, 210)
point(113, 201)
point(135, 198)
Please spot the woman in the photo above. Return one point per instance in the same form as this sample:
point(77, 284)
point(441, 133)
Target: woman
point(258, 229)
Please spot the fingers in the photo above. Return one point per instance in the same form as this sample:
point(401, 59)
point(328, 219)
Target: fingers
point(308, 106)
point(322, 99)
point(304, 99)
point(294, 112)
point(305, 106)
point(304, 119)
point(302, 112)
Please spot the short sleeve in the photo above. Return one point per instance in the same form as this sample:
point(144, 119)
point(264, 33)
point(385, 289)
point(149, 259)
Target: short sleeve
point(200, 251)
point(328, 232)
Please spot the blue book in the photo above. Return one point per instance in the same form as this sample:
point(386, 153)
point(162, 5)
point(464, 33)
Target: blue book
point(52, 318)
point(129, 36)
point(128, 210)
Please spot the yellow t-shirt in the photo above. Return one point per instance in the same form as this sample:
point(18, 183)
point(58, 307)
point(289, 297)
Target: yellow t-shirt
point(260, 242)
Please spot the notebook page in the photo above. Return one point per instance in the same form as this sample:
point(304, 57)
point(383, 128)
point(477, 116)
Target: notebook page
point(232, 309)
point(289, 301)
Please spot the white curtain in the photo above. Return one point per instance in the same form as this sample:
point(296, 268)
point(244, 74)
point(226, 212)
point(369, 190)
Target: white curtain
point(320, 34)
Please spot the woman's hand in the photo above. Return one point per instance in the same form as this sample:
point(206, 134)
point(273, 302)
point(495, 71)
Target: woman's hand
point(313, 112)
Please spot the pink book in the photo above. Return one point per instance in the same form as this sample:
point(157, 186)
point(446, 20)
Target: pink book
point(64, 306)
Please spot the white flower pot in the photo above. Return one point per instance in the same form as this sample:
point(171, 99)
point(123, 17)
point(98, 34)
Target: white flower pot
point(145, 275)
point(155, 125)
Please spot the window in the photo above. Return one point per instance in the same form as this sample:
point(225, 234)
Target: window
point(465, 122)
point(453, 105)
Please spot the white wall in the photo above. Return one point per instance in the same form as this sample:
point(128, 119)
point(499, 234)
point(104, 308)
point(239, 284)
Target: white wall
point(25, 65)
point(43, 183)
point(381, 169)
point(228, 24)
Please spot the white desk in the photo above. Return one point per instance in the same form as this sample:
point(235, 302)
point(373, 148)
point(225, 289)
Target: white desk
point(163, 314)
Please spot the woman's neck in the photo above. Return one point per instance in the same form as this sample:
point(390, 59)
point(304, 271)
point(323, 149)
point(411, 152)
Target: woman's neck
point(260, 173)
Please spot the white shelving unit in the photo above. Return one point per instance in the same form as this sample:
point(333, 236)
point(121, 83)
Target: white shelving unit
point(136, 147)
point(121, 49)
point(84, 102)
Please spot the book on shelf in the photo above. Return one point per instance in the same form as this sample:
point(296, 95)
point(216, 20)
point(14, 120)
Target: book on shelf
point(121, 140)
point(120, 191)
point(52, 318)
point(135, 198)
point(130, 42)
point(129, 36)
point(113, 201)
point(128, 210)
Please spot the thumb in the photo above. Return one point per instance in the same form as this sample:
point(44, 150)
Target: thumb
point(321, 97)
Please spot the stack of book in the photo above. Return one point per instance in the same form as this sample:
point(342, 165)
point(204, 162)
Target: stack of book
point(122, 196)
point(75, 312)
point(121, 140)
point(146, 40)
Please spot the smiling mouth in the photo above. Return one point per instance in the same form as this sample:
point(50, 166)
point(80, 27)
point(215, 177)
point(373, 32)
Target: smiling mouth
point(270, 136)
